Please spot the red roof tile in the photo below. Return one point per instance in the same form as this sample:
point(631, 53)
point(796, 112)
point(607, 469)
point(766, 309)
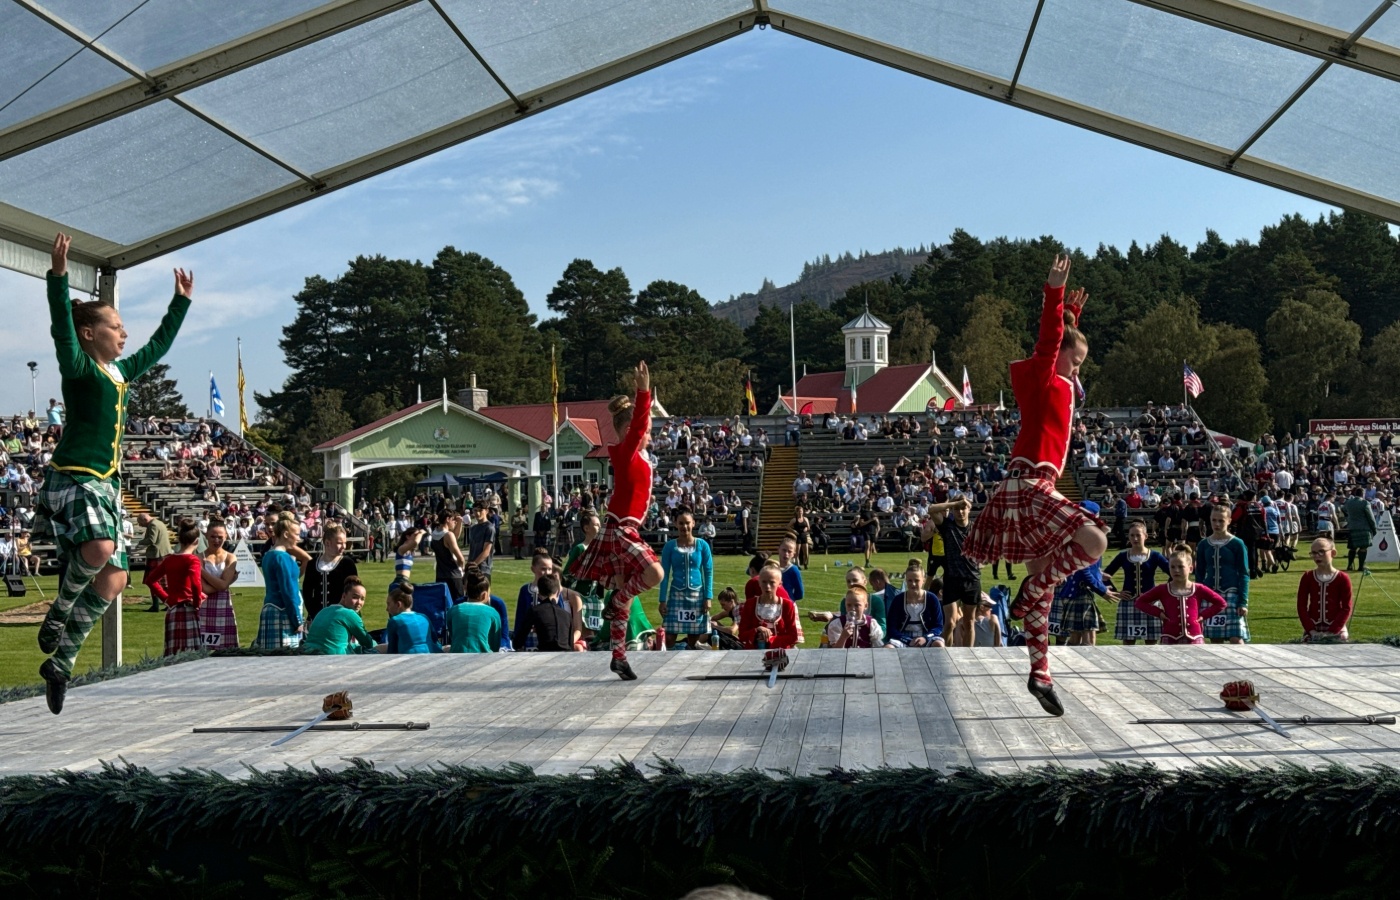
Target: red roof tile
point(877, 394)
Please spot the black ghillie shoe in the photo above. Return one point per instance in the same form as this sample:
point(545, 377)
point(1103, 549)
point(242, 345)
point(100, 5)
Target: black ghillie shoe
point(49, 635)
point(55, 685)
point(623, 670)
point(1045, 693)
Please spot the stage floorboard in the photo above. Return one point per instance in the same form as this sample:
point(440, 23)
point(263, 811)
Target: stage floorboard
point(565, 712)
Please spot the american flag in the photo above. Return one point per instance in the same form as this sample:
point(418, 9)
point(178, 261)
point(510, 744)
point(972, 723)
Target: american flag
point(1193, 381)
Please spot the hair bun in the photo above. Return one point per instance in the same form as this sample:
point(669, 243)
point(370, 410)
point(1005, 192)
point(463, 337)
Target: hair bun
point(619, 403)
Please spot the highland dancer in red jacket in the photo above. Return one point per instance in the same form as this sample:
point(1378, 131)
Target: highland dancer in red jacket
point(618, 557)
point(1027, 520)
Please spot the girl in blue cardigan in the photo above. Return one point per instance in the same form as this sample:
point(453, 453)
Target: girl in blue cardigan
point(687, 583)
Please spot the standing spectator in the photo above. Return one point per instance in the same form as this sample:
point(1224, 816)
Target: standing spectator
point(175, 580)
point(687, 583)
point(154, 545)
point(1361, 529)
point(1324, 595)
point(801, 529)
point(962, 580)
point(218, 626)
point(481, 541)
point(280, 623)
point(451, 565)
point(324, 581)
point(518, 522)
point(55, 416)
point(541, 528)
point(744, 519)
point(1222, 564)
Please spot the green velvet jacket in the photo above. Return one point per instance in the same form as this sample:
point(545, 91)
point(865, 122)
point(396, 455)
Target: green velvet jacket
point(91, 445)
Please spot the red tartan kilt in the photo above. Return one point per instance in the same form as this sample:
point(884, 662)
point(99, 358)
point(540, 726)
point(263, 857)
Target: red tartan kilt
point(618, 549)
point(1025, 519)
point(181, 629)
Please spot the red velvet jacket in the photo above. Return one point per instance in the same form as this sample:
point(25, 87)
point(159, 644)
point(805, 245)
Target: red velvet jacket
point(1181, 616)
point(175, 580)
point(631, 472)
point(1046, 399)
point(1324, 608)
point(784, 630)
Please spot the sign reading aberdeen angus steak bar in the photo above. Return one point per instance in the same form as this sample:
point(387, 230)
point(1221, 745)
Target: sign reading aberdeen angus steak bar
point(1354, 426)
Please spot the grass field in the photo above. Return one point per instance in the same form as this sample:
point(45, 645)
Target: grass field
point(1273, 617)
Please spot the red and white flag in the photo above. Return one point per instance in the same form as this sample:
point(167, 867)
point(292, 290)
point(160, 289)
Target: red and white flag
point(967, 389)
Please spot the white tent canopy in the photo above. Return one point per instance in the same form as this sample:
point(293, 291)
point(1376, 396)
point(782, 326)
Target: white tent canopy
point(141, 126)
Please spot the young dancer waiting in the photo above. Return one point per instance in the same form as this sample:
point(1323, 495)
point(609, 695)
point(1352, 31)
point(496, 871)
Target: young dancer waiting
point(1181, 603)
point(618, 557)
point(1027, 519)
point(175, 581)
point(81, 496)
point(1139, 566)
point(854, 627)
point(687, 588)
point(218, 627)
point(1222, 563)
point(916, 615)
point(1324, 595)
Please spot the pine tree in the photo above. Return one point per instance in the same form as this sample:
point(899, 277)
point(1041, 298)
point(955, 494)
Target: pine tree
point(155, 394)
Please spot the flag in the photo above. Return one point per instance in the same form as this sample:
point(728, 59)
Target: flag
point(853, 398)
point(1193, 381)
point(216, 402)
point(806, 409)
point(748, 396)
point(967, 388)
point(1079, 392)
point(242, 407)
point(554, 386)
point(949, 403)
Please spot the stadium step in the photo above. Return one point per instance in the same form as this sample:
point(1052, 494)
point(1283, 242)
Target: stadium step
point(775, 497)
point(1068, 486)
point(132, 504)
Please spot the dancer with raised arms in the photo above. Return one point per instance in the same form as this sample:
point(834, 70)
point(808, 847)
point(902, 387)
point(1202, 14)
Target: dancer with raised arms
point(618, 557)
point(81, 496)
point(1027, 519)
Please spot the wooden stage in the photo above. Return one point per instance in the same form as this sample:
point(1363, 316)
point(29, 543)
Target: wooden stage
point(566, 712)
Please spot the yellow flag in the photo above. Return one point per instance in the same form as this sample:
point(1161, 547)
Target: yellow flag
point(242, 407)
point(554, 385)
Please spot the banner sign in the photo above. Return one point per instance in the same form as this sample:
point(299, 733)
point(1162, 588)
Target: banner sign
point(249, 575)
point(1383, 548)
point(1354, 426)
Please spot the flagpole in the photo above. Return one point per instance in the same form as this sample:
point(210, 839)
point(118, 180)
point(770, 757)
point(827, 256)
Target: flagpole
point(554, 417)
point(242, 409)
point(1185, 394)
point(210, 405)
point(792, 342)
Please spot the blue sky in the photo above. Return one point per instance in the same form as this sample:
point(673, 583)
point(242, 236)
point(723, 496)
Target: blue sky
point(735, 164)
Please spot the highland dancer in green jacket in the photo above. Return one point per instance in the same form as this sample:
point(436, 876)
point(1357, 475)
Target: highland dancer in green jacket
point(81, 496)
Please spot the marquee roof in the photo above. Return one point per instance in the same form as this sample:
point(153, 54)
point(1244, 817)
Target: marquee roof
point(141, 126)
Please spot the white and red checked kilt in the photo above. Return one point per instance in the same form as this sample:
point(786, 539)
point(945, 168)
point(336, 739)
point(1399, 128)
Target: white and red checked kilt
point(181, 629)
point(218, 627)
point(618, 549)
point(1025, 519)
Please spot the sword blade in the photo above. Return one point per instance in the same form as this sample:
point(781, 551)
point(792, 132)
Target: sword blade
point(1269, 719)
point(772, 676)
point(303, 729)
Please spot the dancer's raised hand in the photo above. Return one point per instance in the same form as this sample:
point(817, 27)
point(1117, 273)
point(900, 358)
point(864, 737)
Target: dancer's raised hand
point(184, 283)
point(643, 377)
point(1059, 271)
point(59, 257)
point(1074, 303)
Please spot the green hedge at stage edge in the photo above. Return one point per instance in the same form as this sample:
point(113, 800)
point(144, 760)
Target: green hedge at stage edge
point(1116, 832)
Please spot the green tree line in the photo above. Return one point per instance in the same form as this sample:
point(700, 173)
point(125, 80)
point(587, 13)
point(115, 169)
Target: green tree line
point(1301, 322)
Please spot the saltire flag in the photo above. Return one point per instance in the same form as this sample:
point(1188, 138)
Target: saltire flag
point(749, 398)
point(806, 409)
point(967, 388)
point(216, 402)
point(554, 386)
point(1193, 381)
point(242, 407)
point(1079, 391)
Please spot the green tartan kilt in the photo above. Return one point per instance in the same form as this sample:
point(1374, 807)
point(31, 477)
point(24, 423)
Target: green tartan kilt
point(82, 511)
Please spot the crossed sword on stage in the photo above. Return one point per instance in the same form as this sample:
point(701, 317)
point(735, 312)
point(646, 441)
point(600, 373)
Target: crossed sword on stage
point(1242, 697)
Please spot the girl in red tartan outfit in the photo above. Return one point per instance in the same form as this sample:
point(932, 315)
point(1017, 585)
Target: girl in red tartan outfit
point(618, 556)
point(1027, 520)
point(176, 581)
